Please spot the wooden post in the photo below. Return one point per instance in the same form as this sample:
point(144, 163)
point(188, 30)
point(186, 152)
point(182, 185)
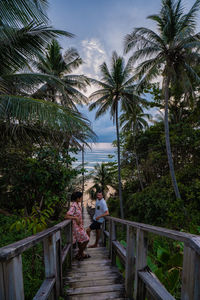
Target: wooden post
point(130, 261)
point(103, 237)
point(50, 261)
point(112, 237)
point(13, 287)
point(59, 284)
point(190, 275)
point(141, 260)
point(69, 241)
point(113, 254)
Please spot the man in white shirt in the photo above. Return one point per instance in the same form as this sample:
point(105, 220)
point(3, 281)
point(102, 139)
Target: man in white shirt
point(101, 210)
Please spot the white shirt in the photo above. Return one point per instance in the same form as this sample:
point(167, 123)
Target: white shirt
point(100, 208)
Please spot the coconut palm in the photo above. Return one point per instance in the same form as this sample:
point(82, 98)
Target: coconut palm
point(61, 66)
point(134, 120)
point(115, 87)
point(23, 36)
point(102, 178)
point(171, 52)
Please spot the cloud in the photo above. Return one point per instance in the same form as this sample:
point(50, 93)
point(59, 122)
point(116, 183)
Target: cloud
point(93, 55)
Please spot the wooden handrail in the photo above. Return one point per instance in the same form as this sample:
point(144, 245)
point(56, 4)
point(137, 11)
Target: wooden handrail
point(11, 275)
point(138, 278)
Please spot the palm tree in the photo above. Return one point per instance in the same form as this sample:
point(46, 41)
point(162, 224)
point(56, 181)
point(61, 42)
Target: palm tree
point(134, 119)
point(54, 63)
point(102, 178)
point(116, 86)
point(172, 52)
point(24, 34)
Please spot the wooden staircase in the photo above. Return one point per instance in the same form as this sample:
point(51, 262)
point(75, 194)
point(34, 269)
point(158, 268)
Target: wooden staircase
point(98, 277)
point(95, 277)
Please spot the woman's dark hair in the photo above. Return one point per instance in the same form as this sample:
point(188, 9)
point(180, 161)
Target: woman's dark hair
point(75, 196)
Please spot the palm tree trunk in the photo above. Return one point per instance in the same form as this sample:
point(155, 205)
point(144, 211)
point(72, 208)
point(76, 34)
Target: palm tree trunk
point(119, 165)
point(167, 140)
point(138, 170)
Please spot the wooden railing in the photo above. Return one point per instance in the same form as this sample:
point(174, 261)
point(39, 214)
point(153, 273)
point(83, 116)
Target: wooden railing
point(11, 275)
point(140, 282)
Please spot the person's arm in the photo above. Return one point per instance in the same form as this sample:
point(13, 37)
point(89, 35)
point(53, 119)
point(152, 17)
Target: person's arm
point(106, 213)
point(70, 217)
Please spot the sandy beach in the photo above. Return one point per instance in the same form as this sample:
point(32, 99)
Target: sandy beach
point(86, 196)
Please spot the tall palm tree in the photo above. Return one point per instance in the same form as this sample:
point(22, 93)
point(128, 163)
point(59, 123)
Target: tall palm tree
point(172, 52)
point(134, 120)
point(61, 66)
point(115, 87)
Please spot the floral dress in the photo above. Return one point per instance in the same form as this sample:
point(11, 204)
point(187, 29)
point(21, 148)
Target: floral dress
point(79, 233)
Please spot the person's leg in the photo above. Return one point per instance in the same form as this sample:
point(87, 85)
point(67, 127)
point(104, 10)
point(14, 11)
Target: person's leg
point(82, 247)
point(88, 230)
point(98, 233)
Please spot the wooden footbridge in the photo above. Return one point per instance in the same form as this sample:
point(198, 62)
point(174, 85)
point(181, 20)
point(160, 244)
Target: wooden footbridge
point(98, 277)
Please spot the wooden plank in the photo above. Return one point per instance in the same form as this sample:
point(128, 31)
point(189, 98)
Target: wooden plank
point(98, 296)
point(59, 285)
point(141, 257)
point(2, 283)
point(106, 233)
point(121, 251)
point(95, 289)
point(94, 261)
point(68, 232)
point(97, 249)
point(45, 289)
point(90, 268)
point(190, 275)
point(17, 248)
point(50, 260)
point(130, 261)
point(94, 282)
point(154, 286)
point(65, 251)
point(84, 272)
point(84, 276)
point(113, 253)
point(50, 256)
point(89, 264)
point(13, 279)
point(193, 240)
point(103, 237)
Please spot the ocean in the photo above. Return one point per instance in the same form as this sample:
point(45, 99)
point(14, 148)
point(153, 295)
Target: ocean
point(99, 152)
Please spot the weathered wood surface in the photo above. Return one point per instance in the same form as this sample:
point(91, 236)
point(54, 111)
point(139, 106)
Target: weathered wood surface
point(94, 278)
point(130, 261)
point(152, 284)
point(192, 240)
point(190, 275)
point(13, 287)
point(17, 248)
point(141, 258)
point(45, 289)
point(120, 250)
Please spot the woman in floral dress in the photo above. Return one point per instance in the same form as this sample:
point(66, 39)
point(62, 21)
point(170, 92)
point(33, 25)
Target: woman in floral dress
point(79, 233)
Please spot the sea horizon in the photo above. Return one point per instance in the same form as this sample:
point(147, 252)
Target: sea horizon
point(99, 152)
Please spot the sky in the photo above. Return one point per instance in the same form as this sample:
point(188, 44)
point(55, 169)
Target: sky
point(100, 27)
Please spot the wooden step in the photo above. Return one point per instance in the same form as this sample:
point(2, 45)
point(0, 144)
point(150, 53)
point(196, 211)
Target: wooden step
point(99, 296)
point(91, 268)
point(95, 282)
point(95, 289)
point(84, 276)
